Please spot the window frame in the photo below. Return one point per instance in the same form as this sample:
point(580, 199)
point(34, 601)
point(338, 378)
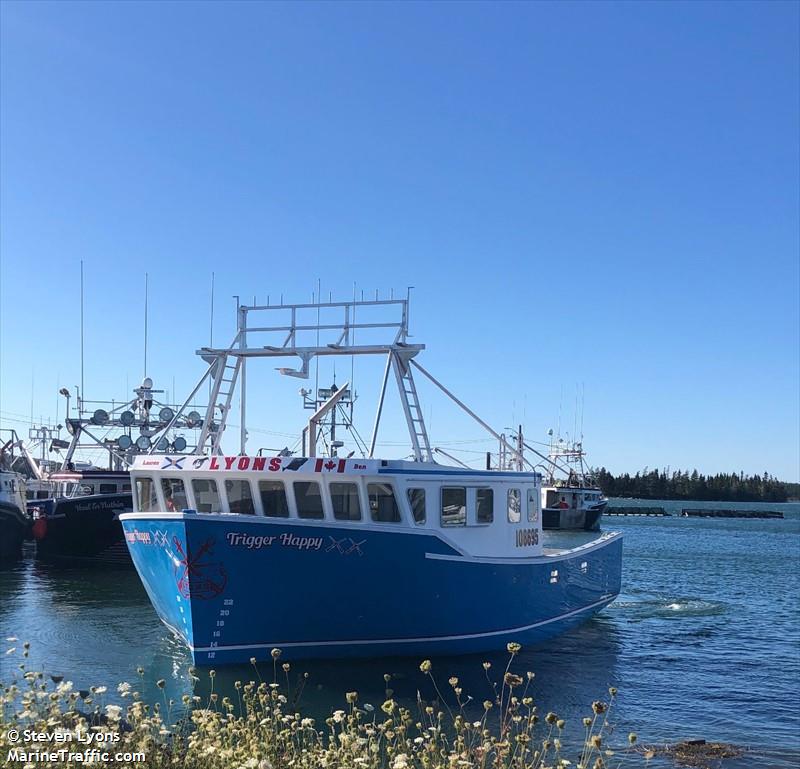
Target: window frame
point(424, 520)
point(287, 506)
point(532, 508)
point(359, 503)
point(320, 486)
point(397, 507)
point(514, 491)
point(222, 500)
point(478, 490)
point(154, 493)
point(167, 479)
point(249, 487)
point(456, 524)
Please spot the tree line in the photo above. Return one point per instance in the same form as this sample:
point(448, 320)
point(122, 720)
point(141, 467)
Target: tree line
point(682, 484)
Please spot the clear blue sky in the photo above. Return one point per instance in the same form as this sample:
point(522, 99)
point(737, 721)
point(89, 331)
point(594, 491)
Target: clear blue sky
point(589, 194)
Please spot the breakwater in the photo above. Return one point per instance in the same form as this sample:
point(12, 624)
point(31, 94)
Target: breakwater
point(706, 512)
point(658, 512)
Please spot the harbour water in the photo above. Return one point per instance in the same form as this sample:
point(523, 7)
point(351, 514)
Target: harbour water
point(704, 641)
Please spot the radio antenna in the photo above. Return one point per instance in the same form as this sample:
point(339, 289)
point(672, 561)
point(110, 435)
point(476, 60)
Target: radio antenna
point(145, 324)
point(82, 388)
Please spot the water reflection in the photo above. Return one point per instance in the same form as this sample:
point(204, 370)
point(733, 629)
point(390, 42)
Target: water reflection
point(569, 672)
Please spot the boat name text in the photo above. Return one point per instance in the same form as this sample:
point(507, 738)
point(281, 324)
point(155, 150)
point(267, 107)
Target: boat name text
point(253, 542)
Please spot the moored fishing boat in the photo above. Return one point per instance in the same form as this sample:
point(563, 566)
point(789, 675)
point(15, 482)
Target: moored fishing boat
point(325, 556)
point(76, 505)
point(15, 522)
point(571, 500)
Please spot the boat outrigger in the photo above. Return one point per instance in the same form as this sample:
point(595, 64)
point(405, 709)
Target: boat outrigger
point(328, 556)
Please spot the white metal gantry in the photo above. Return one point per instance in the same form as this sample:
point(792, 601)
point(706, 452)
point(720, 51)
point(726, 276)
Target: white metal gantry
point(278, 331)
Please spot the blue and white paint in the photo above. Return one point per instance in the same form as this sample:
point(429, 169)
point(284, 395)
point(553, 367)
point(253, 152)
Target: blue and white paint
point(234, 586)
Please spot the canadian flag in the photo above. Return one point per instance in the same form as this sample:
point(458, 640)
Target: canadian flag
point(329, 465)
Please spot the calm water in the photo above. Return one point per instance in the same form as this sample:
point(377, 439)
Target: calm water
point(704, 642)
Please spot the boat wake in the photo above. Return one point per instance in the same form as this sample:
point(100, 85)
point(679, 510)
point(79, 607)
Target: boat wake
point(636, 609)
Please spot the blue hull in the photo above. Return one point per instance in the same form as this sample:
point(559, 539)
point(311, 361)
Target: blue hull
point(235, 587)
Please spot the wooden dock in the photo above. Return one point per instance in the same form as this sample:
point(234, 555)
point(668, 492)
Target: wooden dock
point(650, 512)
point(704, 512)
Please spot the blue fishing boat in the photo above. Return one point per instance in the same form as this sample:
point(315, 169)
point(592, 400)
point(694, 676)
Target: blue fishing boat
point(328, 556)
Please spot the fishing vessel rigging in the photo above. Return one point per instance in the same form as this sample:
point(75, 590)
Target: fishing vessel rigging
point(76, 501)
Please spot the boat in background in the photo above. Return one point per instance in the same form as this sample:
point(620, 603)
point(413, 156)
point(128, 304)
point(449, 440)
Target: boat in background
point(571, 498)
point(328, 556)
point(76, 505)
point(15, 523)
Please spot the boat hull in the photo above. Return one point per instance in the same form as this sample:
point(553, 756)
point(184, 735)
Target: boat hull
point(84, 529)
point(14, 527)
point(586, 519)
point(234, 587)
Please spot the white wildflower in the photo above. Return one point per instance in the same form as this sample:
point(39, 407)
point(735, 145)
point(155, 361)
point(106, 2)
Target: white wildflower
point(113, 712)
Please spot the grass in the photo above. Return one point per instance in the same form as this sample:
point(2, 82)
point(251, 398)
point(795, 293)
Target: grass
point(261, 726)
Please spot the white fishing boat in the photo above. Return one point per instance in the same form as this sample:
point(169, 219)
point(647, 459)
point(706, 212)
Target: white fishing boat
point(571, 497)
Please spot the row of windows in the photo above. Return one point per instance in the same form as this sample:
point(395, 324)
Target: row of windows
point(345, 500)
point(344, 496)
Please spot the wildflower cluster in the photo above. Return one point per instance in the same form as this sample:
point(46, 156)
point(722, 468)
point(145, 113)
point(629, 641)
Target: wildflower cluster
point(262, 728)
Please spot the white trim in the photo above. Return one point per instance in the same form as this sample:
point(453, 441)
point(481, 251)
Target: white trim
point(436, 639)
point(603, 540)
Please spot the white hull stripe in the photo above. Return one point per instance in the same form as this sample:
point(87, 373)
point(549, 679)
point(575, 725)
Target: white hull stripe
point(561, 555)
point(435, 639)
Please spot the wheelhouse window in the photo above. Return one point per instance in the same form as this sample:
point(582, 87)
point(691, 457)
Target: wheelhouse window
point(382, 503)
point(344, 498)
point(533, 513)
point(206, 495)
point(308, 497)
point(108, 488)
point(175, 498)
point(514, 506)
point(146, 496)
point(240, 497)
point(273, 499)
point(416, 500)
point(484, 505)
point(454, 506)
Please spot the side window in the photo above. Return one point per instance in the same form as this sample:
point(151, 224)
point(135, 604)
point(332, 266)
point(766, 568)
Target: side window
point(309, 499)
point(174, 494)
point(108, 488)
point(454, 506)
point(382, 504)
point(416, 499)
point(484, 505)
point(514, 505)
point(146, 497)
point(240, 498)
point(206, 495)
point(273, 499)
point(344, 497)
point(533, 513)
point(126, 487)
